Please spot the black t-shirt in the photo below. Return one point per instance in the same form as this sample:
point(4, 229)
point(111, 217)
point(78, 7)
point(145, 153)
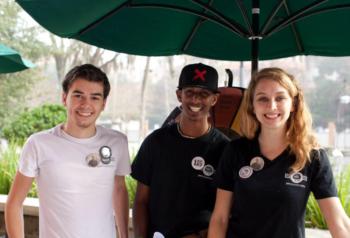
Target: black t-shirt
point(271, 202)
point(179, 172)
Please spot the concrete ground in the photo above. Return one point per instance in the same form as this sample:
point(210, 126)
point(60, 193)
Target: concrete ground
point(316, 233)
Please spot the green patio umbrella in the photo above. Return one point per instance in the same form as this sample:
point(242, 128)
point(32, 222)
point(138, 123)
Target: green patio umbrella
point(237, 30)
point(11, 61)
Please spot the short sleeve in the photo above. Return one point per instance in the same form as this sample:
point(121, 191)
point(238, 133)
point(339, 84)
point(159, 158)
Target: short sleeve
point(28, 163)
point(224, 178)
point(322, 183)
point(141, 168)
point(123, 165)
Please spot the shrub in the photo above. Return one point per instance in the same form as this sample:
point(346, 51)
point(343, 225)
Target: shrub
point(8, 166)
point(314, 217)
point(344, 189)
point(29, 122)
point(131, 184)
point(131, 187)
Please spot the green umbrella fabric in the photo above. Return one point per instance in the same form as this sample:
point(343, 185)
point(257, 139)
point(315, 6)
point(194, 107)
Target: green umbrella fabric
point(11, 61)
point(237, 30)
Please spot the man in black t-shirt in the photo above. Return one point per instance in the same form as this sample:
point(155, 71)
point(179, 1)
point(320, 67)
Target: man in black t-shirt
point(175, 164)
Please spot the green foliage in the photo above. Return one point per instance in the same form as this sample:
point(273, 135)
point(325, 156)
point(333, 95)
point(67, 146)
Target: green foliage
point(8, 166)
point(17, 34)
point(38, 119)
point(314, 217)
point(13, 90)
point(131, 187)
point(131, 184)
point(344, 189)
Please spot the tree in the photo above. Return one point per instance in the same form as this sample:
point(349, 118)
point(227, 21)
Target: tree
point(69, 52)
point(329, 86)
point(16, 33)
point(143, 98)
point(323, 101)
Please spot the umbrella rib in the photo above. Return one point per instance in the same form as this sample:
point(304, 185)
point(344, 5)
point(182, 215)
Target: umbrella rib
point(225, 24)
point(322, 10)
point(220, 20)
point(244, 13)
point(295, 32)
point(272, 15)
point(293, 18)
point(308, 14)
point(189, 39)
point(194, 31)
point(235, 26)
point(103, 18)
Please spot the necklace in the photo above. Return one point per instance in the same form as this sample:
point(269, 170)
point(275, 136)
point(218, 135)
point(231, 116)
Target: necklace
point(190, 137)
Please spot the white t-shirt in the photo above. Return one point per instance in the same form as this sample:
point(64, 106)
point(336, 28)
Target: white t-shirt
point(75, 198)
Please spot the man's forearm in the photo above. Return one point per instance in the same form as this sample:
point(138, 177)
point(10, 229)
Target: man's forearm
point(14, 205)
point(140, 220)
point(14, 221)
point(122, 212)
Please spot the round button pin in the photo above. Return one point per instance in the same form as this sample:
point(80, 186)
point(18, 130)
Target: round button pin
point(106, 154)
point(208, 170)
point(92, 159)
point(245, 172)
point(198, 163)
point(257, 163)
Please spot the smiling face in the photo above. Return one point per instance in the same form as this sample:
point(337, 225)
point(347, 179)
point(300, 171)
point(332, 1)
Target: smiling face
point(196, 102)
point(84, 102)
point(272, 104)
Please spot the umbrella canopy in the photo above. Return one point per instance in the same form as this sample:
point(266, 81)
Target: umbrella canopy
point(11, 61)
point(237, 30)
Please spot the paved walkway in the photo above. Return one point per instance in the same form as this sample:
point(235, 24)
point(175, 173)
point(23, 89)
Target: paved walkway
point(316, 233)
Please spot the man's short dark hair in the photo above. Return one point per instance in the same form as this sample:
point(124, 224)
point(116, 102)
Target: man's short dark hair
point(87, 72)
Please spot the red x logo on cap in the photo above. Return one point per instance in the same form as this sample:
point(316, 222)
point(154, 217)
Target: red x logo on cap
point(199, 74)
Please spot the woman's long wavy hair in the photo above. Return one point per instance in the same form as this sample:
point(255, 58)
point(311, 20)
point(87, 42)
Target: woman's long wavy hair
point(299, 125)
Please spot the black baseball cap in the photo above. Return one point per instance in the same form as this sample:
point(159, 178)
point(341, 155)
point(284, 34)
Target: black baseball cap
point(199, 75)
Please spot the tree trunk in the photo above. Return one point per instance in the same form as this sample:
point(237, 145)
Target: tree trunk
point(143, 127)
point(166, 84)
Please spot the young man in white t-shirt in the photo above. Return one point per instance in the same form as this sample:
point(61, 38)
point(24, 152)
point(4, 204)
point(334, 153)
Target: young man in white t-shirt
point(79, 168)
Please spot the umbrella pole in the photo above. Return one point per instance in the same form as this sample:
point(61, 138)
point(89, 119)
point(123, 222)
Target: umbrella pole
point(255, 57)
point(255, 38)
